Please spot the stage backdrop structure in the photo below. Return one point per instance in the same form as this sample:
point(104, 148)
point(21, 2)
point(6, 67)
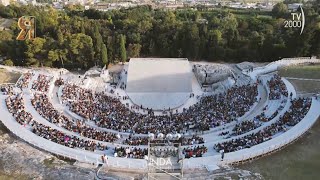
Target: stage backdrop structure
point(159, 83)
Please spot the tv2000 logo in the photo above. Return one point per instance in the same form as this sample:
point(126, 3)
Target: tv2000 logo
point(27, 24)
point(298, 21)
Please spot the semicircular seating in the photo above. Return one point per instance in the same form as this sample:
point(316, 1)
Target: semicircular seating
point(111, 116)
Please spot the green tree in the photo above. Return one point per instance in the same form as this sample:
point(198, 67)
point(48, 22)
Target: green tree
point(5, 35)
point(280, 10)
point(97, 41)
point(36, 54)
point(229, 35)
point(192, 41)
point(8, 62)
point(134, 50)
point(80, 50)
point(5, 41)
point(215, 42)
point(53, 56)
point(104, 55)
point(60, 37)
point(123, 53)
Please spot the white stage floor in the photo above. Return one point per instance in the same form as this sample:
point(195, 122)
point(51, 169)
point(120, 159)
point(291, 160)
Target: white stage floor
point(168, 82)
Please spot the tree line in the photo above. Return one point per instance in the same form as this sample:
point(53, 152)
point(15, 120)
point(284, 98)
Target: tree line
point(77, 38)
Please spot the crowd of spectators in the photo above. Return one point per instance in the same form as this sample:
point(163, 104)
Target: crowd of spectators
point(7, 89)
point(42, 83)
point(130, 152)
point(66, 140)
point(210, 111)
point(299, 108)
point(245, 126)
point(16, 107)
point(109, 112)
point(197, 151)
point(59, 82)
point(191, 140)
point(138, 140)
point(263, 118)
point(44, 107)
point(217, 110)
point(162, 151)
point(23, 82)
point(277, 88)
point(249, 125)
point(105, 111)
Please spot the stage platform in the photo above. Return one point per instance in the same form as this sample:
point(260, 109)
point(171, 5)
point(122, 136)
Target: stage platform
point(159, 83)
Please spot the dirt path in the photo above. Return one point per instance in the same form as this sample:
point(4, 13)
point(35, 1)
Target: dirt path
point(8, 77)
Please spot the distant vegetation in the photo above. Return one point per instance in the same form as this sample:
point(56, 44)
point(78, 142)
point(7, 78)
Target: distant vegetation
point(76, 38)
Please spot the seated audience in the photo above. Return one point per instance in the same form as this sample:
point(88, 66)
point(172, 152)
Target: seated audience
point(298, 110)
point(6, 89)
point(43, 106)
point(42, 83)
point(108, 112)
point(197, 151)
point(16, 107)
point(277, 88)
point(23, 82)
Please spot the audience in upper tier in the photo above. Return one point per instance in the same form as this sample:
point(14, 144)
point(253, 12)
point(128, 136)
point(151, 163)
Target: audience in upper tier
point(24, 80)
point(277, 88)
point(42, 83)
point(294, 115)
point(109, 112)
